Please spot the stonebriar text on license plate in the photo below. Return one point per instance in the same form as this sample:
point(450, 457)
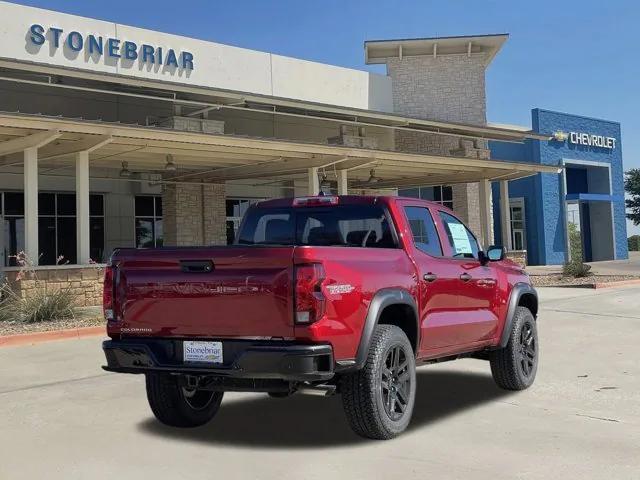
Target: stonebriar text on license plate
point(196, 351)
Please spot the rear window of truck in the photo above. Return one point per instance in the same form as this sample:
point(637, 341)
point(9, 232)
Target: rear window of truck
point(336, 226)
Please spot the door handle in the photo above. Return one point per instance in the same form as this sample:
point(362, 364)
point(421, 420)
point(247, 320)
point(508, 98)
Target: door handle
point(465, 277)
point(196, 266)
point(430, 277)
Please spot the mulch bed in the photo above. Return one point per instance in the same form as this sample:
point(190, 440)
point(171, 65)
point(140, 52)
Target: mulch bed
point(562, 281)
point(15, 328)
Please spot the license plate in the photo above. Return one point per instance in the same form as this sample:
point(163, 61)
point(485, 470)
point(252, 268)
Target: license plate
point(205, 352)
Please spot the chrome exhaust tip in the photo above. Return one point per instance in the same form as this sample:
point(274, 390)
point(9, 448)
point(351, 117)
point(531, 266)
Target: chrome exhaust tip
point(318, 390)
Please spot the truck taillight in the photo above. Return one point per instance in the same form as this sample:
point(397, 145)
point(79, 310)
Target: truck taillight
point(309, 299)
point(107, 294)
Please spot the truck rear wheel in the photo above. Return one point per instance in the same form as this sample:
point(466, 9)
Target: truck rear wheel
point(378, 399)
point(178, 406)
point(514, 367)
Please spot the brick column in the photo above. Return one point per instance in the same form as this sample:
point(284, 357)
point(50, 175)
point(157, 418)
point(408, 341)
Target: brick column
point(466, 196)
point(215, 214)
point(194, 214)
point(448, 88)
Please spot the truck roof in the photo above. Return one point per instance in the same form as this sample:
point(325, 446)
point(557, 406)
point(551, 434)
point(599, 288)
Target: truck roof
point(345, 200)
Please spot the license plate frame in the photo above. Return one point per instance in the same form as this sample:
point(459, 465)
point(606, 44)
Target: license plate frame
point(202, 351)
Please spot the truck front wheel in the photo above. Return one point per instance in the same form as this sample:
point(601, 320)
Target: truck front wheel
point(514, 367)
point(378, 399)
point(178, 406)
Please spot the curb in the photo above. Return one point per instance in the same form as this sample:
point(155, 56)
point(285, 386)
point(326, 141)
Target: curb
point(596, 286)
point(41, 337)
point(620, 283)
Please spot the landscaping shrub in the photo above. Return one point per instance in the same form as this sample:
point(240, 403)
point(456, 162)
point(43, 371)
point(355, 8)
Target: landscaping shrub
point(7, 296)
point(39, 304)
point(634, 243)
point(575, 243)
point(576, 269)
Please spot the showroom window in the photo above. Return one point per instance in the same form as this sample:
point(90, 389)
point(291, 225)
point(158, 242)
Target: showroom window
point(441, 194)
point(12, 210)
point(56, 227)
point(148, 220)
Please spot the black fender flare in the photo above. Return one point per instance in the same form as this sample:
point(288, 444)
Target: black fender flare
point(382, 299)
point(518, 290)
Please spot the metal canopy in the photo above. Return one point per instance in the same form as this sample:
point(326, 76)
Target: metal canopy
point(197, 100)
point(221, 158)
point(379, 51)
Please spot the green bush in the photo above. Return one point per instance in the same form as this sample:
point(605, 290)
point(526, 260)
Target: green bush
point(575, 243)
point(634, 243)
point(576, 269)
point(39, 305)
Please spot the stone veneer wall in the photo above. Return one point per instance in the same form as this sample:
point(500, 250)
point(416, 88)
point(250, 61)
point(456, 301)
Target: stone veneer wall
point(85, 282)
point(448, 88)
point(194, 214)
point(215, 215)
point(518, 256)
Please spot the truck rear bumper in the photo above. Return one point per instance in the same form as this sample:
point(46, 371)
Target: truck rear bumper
point(241, 359)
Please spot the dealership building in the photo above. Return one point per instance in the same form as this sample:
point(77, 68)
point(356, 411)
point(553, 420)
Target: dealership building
point(115, 136)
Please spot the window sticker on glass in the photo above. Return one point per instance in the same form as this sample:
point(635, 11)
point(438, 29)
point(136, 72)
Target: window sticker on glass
point(460, 238)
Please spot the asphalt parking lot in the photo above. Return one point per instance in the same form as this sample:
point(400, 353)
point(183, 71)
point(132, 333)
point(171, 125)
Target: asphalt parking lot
point(64, 418)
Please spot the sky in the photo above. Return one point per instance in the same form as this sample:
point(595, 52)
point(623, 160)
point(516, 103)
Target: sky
point(579, 57)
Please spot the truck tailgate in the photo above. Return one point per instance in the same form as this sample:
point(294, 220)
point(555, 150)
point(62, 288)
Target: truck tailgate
point(206, 292)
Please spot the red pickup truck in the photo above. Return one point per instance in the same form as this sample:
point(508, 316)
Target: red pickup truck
point(319, 295)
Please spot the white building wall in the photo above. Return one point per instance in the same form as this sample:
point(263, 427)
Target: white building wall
point(215, 65)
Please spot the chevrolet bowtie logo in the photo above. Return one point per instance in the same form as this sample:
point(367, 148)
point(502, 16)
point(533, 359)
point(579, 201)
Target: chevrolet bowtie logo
point(560, 136)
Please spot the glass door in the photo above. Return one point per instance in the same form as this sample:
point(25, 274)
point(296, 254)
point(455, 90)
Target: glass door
point(518, 235)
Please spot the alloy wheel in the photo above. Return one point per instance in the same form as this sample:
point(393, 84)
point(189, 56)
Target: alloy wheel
point(395, 382)
point(527, 349)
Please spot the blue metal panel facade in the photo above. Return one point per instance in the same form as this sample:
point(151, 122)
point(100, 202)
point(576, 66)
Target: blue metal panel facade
point(544, 193)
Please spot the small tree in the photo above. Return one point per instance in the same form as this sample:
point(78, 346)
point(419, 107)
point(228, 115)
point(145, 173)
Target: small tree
point(632, 187)
point(575, 267)
point(575, 243)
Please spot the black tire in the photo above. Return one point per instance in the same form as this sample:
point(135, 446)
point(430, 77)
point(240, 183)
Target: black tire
point(390, 361)
point(514, 367)
point(177, 406)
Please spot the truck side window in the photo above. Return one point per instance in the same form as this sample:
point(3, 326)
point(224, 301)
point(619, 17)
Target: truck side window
point(268, 228)
point(463, 243)
point(423, 230)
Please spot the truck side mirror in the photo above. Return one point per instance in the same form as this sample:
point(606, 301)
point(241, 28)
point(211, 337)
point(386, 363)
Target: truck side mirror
point(496, 253)
point(493, 254)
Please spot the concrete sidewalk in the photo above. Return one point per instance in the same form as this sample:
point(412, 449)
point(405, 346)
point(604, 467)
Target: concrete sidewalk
point(65, 418)
point(631, 266)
